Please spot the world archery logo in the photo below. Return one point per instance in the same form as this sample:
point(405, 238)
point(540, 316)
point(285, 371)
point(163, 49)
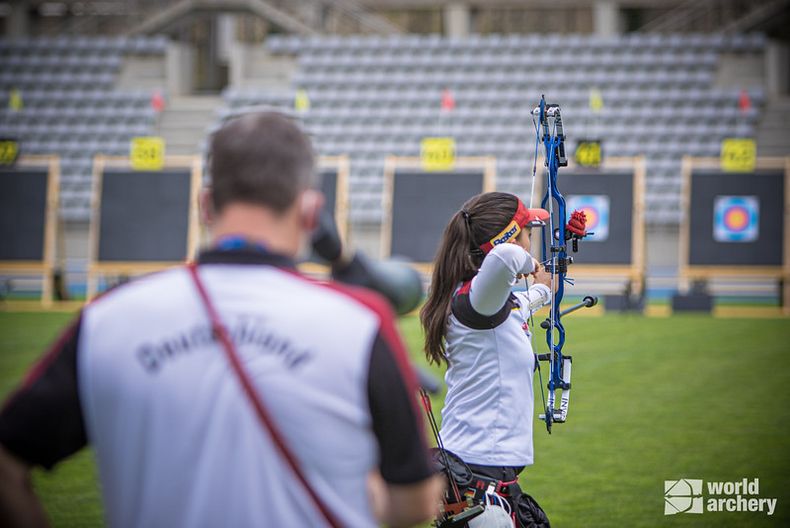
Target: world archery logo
point(686, 496)
point(736, 218)
point(683, 496)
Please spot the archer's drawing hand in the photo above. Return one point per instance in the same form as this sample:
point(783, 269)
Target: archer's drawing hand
point(542, 276)
point(535, 267)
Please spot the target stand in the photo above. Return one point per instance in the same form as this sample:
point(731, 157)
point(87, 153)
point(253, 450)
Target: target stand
point(142, 221)
point(735, 225)
point(29, 225)
point(418, 203)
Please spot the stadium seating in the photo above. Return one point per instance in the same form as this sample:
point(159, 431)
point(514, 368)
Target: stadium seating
point(70, 106)
point(372, 96)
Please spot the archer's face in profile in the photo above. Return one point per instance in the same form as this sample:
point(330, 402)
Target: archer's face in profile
point(523, 238)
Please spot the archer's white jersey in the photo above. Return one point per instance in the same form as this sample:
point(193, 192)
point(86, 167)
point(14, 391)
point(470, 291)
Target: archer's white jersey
point(178, 443)
point(488, 412)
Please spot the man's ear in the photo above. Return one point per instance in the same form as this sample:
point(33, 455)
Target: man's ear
point(311, 203)
point(206, 207)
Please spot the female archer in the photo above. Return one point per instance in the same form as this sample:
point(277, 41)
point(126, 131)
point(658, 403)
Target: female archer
point(475, 324)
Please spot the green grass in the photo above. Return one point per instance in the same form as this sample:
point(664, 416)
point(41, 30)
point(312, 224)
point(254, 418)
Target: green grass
point(652, 400)
point(70, 493)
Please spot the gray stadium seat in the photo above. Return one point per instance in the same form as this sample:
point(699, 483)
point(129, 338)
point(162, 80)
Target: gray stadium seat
point(70, 107)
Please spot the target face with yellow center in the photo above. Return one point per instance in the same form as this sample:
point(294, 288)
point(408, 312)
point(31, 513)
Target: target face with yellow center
point(736, 218)
point(596, 209)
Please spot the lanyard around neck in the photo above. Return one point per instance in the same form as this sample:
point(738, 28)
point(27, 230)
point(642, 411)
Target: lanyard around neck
point(234, 242)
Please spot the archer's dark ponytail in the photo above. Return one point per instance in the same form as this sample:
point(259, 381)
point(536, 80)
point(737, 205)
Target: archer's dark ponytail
point(458, 260)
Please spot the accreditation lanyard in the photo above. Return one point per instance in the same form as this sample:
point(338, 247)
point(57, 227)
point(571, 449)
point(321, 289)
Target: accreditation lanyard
point(221, 334)
point(235, 242)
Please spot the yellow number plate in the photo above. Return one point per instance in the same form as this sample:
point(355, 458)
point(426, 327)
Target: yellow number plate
point(588, 154)
point(9, 150)
point(738, 155)
point(437, 153)
point(147, 153)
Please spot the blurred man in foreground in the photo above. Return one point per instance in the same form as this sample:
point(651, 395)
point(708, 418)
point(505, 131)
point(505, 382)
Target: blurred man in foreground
point(235, 392)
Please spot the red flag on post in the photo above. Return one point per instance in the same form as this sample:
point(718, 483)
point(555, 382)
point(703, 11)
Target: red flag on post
point(157, 101)
point(448, 101)
point(744, 102)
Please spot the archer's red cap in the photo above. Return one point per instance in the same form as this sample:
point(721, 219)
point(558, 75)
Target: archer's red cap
point(536, 217)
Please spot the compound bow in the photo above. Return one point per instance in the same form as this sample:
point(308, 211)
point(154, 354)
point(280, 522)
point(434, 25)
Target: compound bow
point(561, 229)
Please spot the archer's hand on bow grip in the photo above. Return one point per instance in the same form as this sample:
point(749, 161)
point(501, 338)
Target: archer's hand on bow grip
point(577, 223)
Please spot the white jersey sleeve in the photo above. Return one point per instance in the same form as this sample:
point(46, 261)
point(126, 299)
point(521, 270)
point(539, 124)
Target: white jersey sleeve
point(491, 286)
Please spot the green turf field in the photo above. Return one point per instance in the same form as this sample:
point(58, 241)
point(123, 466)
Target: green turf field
point(653, 399)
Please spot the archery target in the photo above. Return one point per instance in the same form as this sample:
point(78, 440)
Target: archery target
point(596, 208)
point(736, 218)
